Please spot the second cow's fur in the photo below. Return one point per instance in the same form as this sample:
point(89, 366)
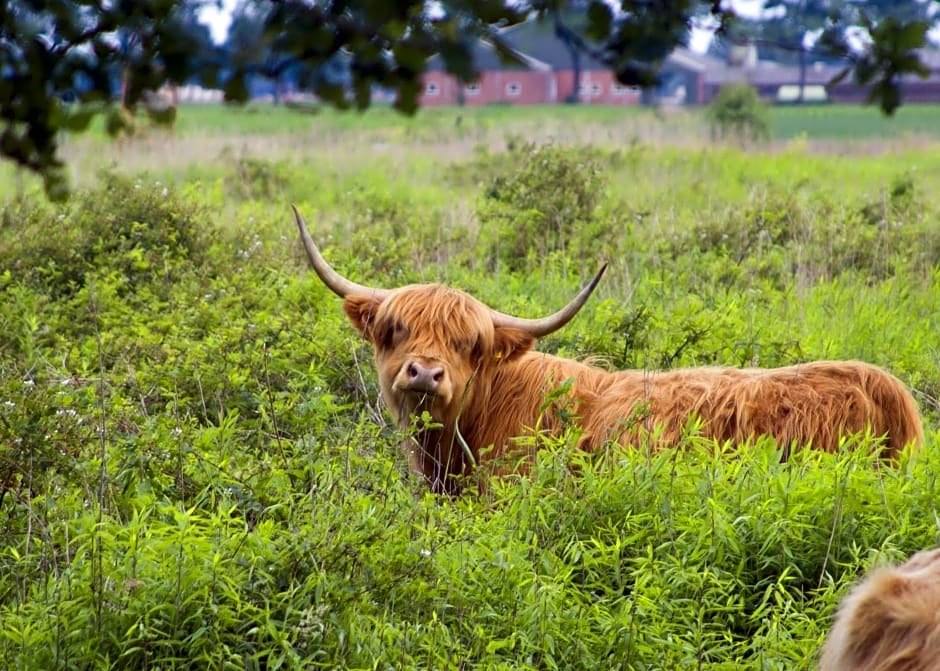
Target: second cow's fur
point(890, 621)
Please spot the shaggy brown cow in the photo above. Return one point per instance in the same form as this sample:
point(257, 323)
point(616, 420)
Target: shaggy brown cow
point(473, 370)
point(890, 621)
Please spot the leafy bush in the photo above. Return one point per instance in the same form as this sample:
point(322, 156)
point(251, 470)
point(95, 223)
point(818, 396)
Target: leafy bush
point(140, 230)
point(634, 561)
point(542, 199)
point(737, 113)
point(776, 234)
point(256, 178)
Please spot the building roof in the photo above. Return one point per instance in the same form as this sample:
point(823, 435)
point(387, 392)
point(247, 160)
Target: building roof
point(931, 58)
point(770, 73)
point(486, 57)
point(683, 58)
point(538, 39)
point(686, 59)
point(541, 49)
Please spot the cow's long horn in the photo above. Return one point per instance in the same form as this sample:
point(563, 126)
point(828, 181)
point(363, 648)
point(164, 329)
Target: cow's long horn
point(336, 282)
point(550, 324)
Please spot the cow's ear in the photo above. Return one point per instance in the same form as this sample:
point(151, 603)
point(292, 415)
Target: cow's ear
point(361, 311)
point(510, 342)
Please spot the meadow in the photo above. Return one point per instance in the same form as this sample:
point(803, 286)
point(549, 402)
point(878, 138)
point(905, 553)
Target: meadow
point(196, 471)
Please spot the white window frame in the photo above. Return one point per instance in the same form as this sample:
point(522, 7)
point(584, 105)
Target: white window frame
point(513, 89)
point(432, 89)
point(472, 89)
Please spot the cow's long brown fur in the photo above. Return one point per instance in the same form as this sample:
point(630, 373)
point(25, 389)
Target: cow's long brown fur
point(498, 385)
point(890, 621)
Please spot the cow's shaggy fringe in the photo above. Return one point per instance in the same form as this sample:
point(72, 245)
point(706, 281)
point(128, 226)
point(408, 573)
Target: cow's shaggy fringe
point(890, 621)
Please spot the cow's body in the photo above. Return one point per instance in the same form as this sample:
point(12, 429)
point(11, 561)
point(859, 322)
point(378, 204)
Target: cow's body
point(814, 403)
point(890, 621)
point(472, 369)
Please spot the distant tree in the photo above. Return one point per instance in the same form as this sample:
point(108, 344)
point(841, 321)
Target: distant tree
point(188, 23)
point(249, 47)
point(900, 10)
point(569, 19)
point(570, 39)
point(256, 50)
point(793, 26)
point(193, 42)
point(795, 30)
point(58, 57)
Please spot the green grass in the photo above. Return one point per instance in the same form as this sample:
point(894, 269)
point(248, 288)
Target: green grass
point(834, 122)
point(823, 122)
point(856, 122)
point(196, 472)
point(206, 139)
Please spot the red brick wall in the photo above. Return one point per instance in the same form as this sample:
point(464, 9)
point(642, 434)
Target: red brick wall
point(525, 87)
point(511, 87)
point(598, 87)
point(439, 89)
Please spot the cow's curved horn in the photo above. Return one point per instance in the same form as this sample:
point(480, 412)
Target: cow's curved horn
point(336, 282)
point(550, 324)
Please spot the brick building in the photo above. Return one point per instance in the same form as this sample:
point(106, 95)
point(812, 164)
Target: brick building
point(546, 75)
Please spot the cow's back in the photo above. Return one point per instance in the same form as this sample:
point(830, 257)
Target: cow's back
point(815, 403)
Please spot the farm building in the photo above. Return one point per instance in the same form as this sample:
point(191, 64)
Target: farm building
point(499, 82)
point(914, 89)
point(778, 82)
point(774, 82)
point(547, 75)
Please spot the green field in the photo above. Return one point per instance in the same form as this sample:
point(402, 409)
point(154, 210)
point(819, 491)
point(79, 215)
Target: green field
point(853, 123)
point(196, 471)
point(840, 122)
point(211, 136)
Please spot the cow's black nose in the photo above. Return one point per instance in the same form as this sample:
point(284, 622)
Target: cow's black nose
point(423, 378)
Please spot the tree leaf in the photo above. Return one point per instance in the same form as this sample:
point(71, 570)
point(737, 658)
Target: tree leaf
point(600, 18)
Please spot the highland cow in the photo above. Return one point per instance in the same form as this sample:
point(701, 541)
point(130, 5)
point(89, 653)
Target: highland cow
point(890, 621)
point(473, 370)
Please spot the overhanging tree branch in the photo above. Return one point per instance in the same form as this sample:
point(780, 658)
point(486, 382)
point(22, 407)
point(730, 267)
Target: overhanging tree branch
point(50, 49)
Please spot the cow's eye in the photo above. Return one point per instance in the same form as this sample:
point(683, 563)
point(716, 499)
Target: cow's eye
point(476, 350)
point(385, 335)
point(391, 334)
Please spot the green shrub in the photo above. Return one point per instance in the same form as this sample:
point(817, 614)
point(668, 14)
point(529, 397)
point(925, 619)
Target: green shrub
point(138, 229)
point(541, 199)
point(256, 178)
point(738, 114)
point(776, 234)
